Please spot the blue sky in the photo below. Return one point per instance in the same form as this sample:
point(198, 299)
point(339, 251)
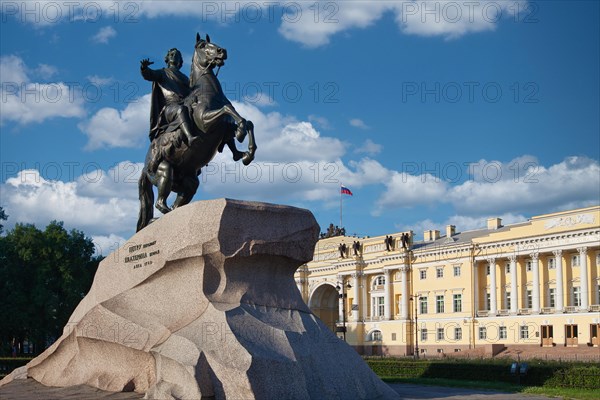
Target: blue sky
point(430, 112)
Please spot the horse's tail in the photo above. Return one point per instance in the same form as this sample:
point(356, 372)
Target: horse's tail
point(146, 201)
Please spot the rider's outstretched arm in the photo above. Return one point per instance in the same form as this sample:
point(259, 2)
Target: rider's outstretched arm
point(148, 73)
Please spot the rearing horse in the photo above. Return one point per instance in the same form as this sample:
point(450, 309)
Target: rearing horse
point(217, 122)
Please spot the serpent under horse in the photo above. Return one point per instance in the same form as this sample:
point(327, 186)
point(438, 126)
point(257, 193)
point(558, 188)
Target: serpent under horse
point(217, 123)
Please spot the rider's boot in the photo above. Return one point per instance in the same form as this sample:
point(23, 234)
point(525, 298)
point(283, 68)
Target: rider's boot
point(164, 182)
point(186, 128)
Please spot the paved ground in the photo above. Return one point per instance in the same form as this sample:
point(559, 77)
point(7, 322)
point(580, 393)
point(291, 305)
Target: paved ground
point(32, 390)
point(28, 389)
point(409, 391)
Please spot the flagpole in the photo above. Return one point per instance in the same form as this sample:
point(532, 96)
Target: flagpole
point(341, 206)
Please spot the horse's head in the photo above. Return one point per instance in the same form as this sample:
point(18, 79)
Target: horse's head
point(208, 55)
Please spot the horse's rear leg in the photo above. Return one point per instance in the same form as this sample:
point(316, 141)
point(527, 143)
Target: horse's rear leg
point(164, 182)
point(249, 155)
point(189, 186)
point(230, 128)
point(237, 155)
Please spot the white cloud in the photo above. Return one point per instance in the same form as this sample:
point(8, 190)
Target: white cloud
point(365, 172)
point(104, 35)
point(495, 188)
point(13, 70)
point(446, 18)
point(302, 25)
point(29, 198)
point(99, 80)
point(452, 19)
point(46, 71)
point(285, 139)
point(405, 191)
point(359, 123)
point(294, 162)
point(110, 127)
point(109, 184)
point(369, 147)
point(320, 121)
point(26, 102)
point(309, 23)
point(528, 186)
point(106, 244)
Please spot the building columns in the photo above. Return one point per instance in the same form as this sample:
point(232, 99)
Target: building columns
point(355, 301)
point(363, 298)
point(583, 277)
point(475, 287)
point(387, 301)
point(493, 292)
point(535, 271)
point(558, 301)
point(514, 298)
point(405, 296)
point(340, 279)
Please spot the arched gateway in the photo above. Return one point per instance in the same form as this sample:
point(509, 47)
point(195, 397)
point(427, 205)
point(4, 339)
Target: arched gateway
point(323, 302)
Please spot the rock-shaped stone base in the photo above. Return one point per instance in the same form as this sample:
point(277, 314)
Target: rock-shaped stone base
point(203, 303)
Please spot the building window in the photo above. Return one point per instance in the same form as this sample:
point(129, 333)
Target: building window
point(487, 269)
point(576, 296)
point(440, 334)
point(524, 332)
point(488, 301)
point(423, 274)
point(457, 270)
point(551, 263)
point(575, 260)
point(423, 304)
point(393, 336)
point(423, 334)
point(502, 332)
point(378, 282)
point(457, 333)
point(529, 299)
point(528, 265)
point(457, 303)
point(482, 333)
point(378, 306)
point(439, 272)
point(439, 304)
point(552, 297)
point(376, 336)
point(507, 268)
point(507, 300)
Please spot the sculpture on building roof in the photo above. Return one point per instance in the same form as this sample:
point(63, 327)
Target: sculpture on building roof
point(333, 231)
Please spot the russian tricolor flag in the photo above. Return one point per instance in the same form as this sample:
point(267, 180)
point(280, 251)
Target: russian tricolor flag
point(345, 190)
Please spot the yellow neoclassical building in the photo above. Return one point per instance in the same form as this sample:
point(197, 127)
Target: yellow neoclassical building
point(533, 284)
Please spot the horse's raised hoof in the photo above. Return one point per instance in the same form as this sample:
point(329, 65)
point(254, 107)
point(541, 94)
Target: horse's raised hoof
point(247, 159)
point(162, 207)
point(237, 156)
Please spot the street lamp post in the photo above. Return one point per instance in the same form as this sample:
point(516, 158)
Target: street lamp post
point(342, 295)
point(415, 298)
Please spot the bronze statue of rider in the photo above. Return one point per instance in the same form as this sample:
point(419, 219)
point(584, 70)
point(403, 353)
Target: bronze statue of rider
point(169, 88)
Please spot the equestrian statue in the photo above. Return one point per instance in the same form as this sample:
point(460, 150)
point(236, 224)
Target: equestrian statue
point(190, 120)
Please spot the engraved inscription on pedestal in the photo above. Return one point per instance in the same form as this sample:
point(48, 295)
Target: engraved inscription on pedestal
point(143, 255)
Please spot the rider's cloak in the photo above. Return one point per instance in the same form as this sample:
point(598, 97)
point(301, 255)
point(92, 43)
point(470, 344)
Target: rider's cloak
point(177, 85)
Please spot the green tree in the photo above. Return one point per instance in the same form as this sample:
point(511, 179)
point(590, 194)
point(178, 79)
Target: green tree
point(3, 217)
point(43, 276)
